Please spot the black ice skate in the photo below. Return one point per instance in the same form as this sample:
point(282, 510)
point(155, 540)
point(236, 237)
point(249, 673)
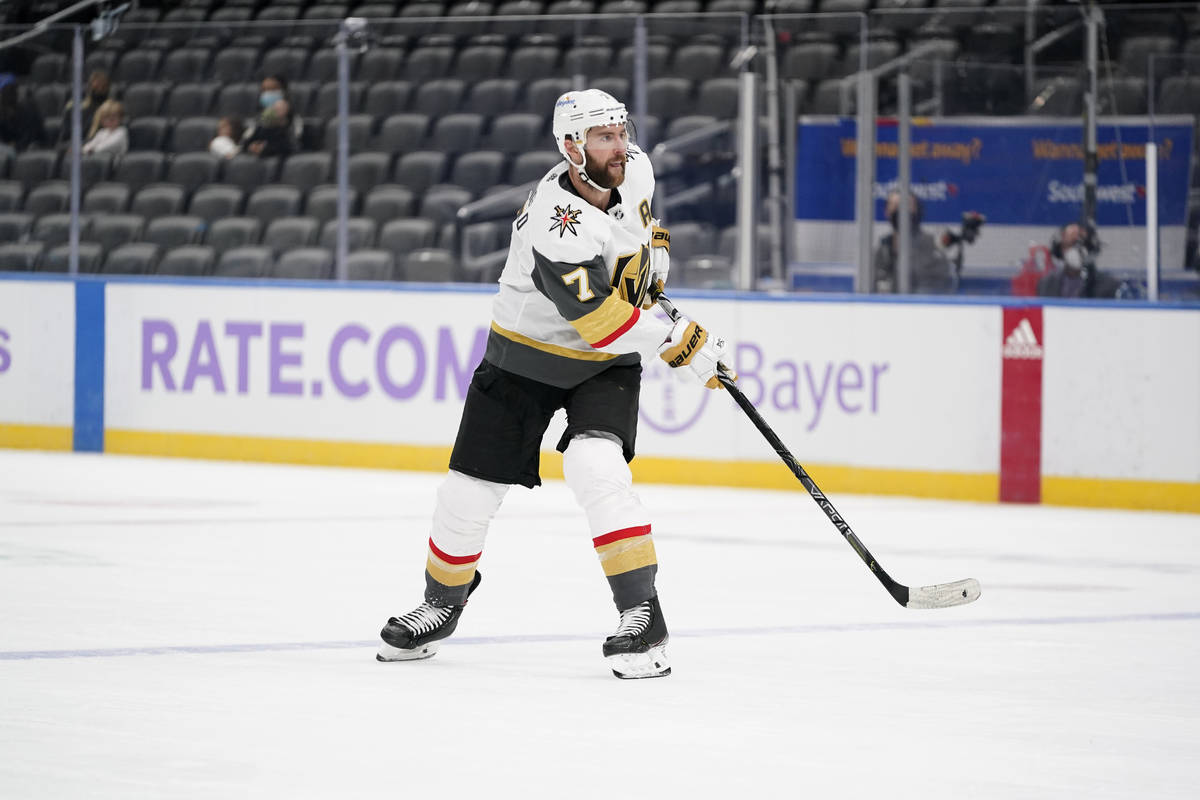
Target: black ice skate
point(638, 648)
point(416, 635)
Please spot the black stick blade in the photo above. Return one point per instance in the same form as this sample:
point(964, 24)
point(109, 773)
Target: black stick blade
point(944, 595)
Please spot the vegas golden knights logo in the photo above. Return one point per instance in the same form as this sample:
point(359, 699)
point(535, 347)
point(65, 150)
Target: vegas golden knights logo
point(631, 278)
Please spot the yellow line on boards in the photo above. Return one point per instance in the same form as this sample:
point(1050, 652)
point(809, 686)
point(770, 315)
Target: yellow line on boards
point(1123, 493)
point(37, 437)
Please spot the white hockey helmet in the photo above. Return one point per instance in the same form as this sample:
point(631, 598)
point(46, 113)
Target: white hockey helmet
point(575, 112)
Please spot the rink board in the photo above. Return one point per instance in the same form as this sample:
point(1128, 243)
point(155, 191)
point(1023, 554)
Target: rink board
point(37, 364)
point(910, 397)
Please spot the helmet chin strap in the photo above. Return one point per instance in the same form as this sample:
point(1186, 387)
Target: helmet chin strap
point(581, 168)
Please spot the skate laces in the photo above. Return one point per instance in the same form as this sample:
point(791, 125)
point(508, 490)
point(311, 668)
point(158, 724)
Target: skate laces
point(634, 621)
point(425, 618)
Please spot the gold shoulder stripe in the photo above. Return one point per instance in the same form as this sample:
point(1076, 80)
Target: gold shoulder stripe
point(611, 316)
point(553, 349)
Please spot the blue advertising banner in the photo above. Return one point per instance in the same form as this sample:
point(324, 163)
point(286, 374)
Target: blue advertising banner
point(1023, 171)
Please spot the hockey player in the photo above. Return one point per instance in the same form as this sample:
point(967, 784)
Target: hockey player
point(567, 332)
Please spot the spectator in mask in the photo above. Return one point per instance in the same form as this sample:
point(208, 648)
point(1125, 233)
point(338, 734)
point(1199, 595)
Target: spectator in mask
point(98, 91)
point(1075, 273)
point(930, 269)
point(276, 131)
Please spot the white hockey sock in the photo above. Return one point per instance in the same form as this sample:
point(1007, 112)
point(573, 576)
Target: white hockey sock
point(596, 471)
point(465, 507)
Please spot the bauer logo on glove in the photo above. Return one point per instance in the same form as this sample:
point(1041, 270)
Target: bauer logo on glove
point(691, 347)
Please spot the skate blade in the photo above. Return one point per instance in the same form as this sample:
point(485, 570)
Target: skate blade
point(389, 653)
point(631, 666)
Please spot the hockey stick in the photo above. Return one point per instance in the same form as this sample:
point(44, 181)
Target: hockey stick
point(940, 595)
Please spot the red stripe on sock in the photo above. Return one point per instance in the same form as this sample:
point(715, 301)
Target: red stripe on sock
point(624, 533)
point(612, 337)
point(449, 559)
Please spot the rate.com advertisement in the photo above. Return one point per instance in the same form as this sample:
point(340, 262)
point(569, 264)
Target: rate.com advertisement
point(862, 384)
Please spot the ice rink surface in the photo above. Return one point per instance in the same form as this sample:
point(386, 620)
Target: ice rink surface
point(176, 629)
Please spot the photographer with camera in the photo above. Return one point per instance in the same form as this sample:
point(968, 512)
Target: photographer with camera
point(1075, 274)
point(931, 269)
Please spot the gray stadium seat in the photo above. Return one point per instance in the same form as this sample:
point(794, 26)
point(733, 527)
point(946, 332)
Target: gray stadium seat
point(185, 64)
point(188, 260)
point(421, 169)
point(158, 199)
point(106, 198)
point(441, 202)
point(439, 96)
point(145, 99)
point(20, 256)
point(306, 170)
point(214, 201)
point(138, 169)
point(387, 97)
point(15, 225)
point(810, 61)
point(403, 236)
point(11, 195)
point(428, 63)
point(388, 202)
point(532, 166)
point(175, 230)
point(401, 133)
point(137, 258)
point(269, 202)
point(479, 170)
point(368, 170)
point(478, 62)
point(322, 202)
point(229, 233)
point(248, 172)
point(33, 167)
point(193, 134)
point(137, 64)
point(428, 265)
point(193, 170)
point(360, 232)
point(238, 99)
point(381, 64)
point(493, 96)
point(191, 99)
point(364, 265)
point(518, 133)
point(304, 263)
point(282, 233)
point(111, 230)
point(456, 133)
point(55, 229)
point(48, 198)
point(244, 262)
point(57, 259)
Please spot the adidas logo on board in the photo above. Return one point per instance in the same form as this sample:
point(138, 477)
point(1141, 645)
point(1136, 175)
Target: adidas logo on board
point(1022, 343)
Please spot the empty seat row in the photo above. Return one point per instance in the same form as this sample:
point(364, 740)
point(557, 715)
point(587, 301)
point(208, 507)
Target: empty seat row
point(302, 263)
point(43, 172)
point(225, 233)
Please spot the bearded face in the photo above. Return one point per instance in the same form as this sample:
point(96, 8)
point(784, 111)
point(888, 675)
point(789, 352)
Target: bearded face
point(606, 170)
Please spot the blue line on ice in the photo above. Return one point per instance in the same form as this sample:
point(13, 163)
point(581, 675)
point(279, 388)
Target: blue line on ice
point(837, 627)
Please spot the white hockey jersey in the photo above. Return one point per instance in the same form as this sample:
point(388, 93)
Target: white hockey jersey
point(575, 278)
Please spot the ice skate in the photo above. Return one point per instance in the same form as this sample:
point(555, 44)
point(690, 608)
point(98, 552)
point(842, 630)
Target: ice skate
point(638, 648)
point(417, 634)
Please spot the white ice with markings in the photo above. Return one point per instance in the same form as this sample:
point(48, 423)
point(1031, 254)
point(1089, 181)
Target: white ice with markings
point(178, 629)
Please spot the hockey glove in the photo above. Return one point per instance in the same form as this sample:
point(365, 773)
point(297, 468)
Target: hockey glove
point(660, 261)
point(691, 346)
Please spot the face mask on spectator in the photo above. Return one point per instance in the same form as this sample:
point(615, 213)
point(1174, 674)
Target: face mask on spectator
point(267, 99)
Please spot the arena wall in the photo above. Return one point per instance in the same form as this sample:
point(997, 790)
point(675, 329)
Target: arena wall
point(984, 400)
